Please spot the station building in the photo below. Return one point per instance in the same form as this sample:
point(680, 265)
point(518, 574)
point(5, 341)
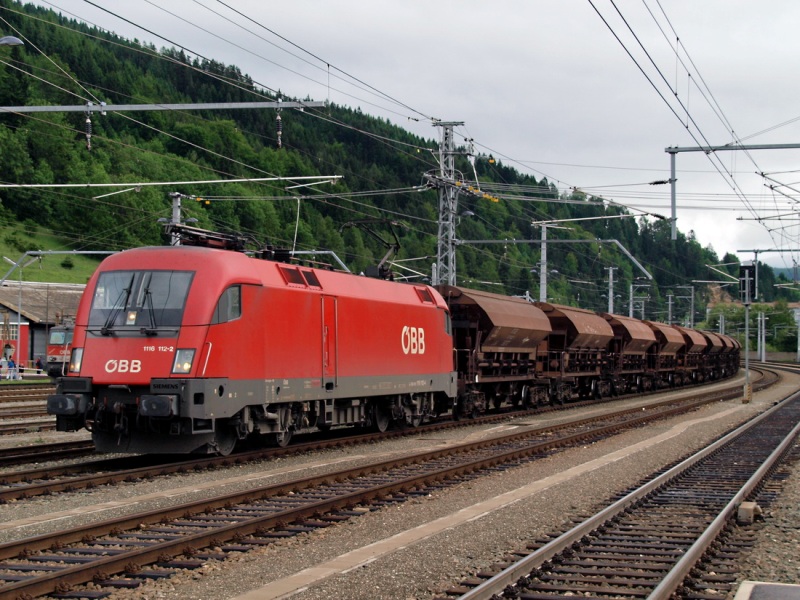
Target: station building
point(27, 312)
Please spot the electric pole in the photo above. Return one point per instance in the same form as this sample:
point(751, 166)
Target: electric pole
point(445, 271)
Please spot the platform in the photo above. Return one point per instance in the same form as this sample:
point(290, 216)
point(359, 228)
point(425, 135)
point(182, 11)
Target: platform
point(763, 590)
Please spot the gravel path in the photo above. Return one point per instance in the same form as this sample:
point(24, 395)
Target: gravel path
point(776, 556)
point(427, 567)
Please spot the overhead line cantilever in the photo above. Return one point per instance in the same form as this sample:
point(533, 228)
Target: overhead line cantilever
point(673, 150)
point(102, 107)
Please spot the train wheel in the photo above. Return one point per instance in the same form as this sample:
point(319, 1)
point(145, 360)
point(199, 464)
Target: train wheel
point(225, 441)
point(380, 417)
point(280, 439)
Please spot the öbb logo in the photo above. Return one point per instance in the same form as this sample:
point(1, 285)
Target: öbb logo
point(123, 366)
point(413, 340)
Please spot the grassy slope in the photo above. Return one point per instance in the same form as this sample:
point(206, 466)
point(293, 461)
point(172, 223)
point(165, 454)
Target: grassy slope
point(51, 268)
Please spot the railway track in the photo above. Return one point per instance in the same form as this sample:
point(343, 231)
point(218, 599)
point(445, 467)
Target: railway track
point(25, 392)
point(23, 412)
point(27, 426)
point(148, 545)
point(44, 452)
point(31, 406)
point(648, 543)
point(28, 483)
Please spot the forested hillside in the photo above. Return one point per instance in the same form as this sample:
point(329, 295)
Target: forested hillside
point(382, 168)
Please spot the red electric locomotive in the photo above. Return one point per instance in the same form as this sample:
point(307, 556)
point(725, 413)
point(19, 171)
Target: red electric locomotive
point(189, 349)
point(58, 347)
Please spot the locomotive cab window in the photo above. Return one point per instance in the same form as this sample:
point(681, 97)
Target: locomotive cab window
point(229, 306)
point(141, 301)
point(60, 337)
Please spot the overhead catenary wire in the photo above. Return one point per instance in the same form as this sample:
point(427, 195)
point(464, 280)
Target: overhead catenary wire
point(164, 183)
point(317, 57)
point(227, 80)
point(535, 199)
point(327, 64)
point(720, 168)
point(727, 172)
point(185, 65)
point(190, 115)
point(195, 53)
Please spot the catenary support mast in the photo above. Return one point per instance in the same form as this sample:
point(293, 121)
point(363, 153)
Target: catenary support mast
point(445, 272)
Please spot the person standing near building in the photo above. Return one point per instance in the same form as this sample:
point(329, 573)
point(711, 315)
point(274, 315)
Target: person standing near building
point(11, 373)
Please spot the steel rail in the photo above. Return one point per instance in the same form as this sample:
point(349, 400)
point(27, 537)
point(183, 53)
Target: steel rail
point(43, 480)
point(497, 583)
point(100, 567)
point(683, 567)
point(27, 426)
point(42, 452)
point(23, 412)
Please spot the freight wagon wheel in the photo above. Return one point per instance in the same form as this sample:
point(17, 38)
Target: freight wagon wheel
point(280, 439)
point(225, 441)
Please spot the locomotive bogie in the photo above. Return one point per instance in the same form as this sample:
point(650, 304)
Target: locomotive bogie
point(536, 396)
point(562, 390)
point(471, 404)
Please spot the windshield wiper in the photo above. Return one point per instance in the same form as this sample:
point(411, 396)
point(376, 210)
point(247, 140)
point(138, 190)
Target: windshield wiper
point(151, 312)
point(121, 302)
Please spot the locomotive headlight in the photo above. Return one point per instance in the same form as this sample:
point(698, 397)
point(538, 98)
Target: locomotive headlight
point(183, 360)
point(75, 360)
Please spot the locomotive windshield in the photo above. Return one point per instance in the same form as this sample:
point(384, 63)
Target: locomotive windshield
point(60, 337)
point(141, 301)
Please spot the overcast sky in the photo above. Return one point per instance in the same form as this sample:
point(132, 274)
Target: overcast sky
point(544, 85)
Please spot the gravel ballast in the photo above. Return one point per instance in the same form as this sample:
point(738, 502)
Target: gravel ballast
point(426, 568)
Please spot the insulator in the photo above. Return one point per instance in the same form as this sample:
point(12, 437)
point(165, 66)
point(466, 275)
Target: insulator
point(88, 133)
point(279, 128)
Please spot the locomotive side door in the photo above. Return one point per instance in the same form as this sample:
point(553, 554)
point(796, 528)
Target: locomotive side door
point(330, 346)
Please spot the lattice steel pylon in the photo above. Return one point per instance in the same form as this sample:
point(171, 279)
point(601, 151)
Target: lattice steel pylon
point(445, 268)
